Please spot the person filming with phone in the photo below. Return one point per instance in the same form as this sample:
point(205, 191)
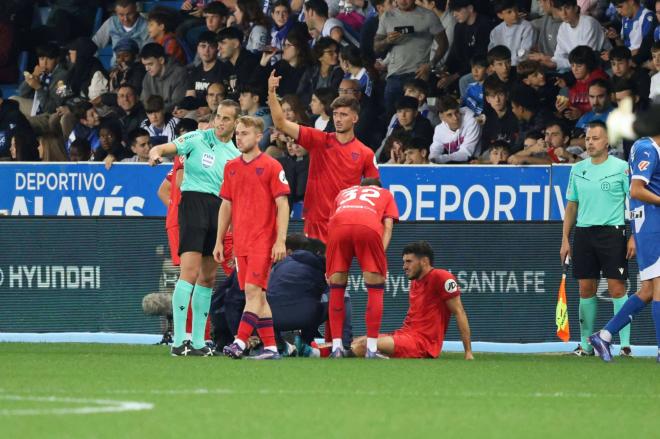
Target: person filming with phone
point(407, 33)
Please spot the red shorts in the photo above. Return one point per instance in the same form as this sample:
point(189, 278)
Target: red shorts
point(173, 241)
point(407, 344)
point(346, 241)
point(253, 269)
point(317, 230)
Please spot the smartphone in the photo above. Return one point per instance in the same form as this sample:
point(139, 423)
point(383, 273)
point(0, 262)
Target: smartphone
point(403, 30)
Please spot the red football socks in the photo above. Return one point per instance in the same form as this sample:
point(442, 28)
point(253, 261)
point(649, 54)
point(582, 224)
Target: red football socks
point(266, 332)
point(336, 311)
point(374, 312)
point(249, 321)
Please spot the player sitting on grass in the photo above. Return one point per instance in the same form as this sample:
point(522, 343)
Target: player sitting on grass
point(255, 203)
point(434, 297)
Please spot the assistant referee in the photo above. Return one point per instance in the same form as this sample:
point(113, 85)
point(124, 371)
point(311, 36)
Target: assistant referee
point(596, 195)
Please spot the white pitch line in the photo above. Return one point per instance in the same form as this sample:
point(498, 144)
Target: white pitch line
point(99, 406)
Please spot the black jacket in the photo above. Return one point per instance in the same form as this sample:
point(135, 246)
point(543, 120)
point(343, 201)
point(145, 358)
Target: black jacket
point(300, 276)
point(469, 41)
point(242, 73)
point(12, 121)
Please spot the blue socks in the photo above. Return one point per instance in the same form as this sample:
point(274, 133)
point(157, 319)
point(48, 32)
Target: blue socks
point(628, 311)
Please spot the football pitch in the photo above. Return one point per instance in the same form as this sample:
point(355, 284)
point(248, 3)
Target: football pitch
point(121, 391)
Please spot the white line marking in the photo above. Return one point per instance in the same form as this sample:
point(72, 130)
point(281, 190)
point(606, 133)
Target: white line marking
point(98, 406)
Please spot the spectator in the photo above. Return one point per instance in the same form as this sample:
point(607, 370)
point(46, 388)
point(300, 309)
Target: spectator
point(23, 148)
point(160, 25)
point(656, 31)
point(128, 69)
point(87, 125)
point(551, 150)
point(409, 53)
point(239, 66)
point(164, 76)
point(67, 20)
point(532, 73)
point(8, 47)
point(140, 143)
point(129, 110)
point(38, 91)
point(159, 124)
point(655, 80)
point(499, 153)
point(471, 36)
point(12, 121)
point(576, 30)
point(458, 138)
point(600, 102)
point(418, 89)
point(251, 20)
point(367, 130)
point(316, 17)
point(86, 77)
point(110, 147)
point(626, 88)
point(325, 72)
point(499, 61)
point(209, 71)
point(296, 59)
point(215, 16)
point(320, 107)
point(369, 29)
point(294, 111)
point(350, 60)
point(409, 121)
point(51, 148)
point(527, 109)
point(547, 28)
point(251, 102)
point(283, 23)
point(516, 34)
point(80, 150)
point(501, 124)
point(584, 69)
point(214, 95)
point(636, 29)
point(296, 169)
point(126, 23)
point(393, 148)
point(624, 68)
point(416, 152)
point(474, 94)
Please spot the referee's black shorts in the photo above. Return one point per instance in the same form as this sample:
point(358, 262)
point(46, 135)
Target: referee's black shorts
point(198, 222)
point(600, 248)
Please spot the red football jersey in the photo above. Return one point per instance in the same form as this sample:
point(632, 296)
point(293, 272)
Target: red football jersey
point(252, 188)
point(333, 166)
point(172, 219)
point(428, 315)
point(366, 206)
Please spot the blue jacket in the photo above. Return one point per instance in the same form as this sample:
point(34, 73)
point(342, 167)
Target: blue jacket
point(300, 276)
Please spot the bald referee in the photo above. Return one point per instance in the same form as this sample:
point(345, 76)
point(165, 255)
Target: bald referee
point(596, 195)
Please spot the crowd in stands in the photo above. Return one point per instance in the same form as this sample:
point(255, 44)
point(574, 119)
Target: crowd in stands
point(438, 81)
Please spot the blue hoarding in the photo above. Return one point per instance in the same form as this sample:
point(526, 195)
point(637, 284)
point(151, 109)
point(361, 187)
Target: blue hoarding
point(477, 193)
point(82, 189)
point(423, 193)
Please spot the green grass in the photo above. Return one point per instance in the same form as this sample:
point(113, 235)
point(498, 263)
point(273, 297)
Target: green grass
point(506, 396)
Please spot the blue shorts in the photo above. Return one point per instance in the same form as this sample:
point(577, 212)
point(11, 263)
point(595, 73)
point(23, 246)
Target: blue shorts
point(648, 255)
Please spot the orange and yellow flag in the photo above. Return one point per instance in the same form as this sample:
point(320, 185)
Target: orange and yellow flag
point(561, 313)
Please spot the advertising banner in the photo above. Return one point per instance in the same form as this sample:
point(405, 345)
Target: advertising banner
point(81, 189)
point(91, 274)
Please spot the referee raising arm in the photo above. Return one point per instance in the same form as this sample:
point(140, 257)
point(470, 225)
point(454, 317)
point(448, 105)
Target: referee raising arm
point(596, 195)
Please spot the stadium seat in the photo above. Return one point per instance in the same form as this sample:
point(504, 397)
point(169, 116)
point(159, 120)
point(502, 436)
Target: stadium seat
point(8, 90)
point(148, 6)
point(98, 20)
point(105, 56)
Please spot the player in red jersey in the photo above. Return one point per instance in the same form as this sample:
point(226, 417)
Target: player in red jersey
point(434, 297)
point(255, 203)
point(336, 160)
point(362, 227)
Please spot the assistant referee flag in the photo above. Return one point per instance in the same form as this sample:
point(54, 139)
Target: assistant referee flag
point(561, 313)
